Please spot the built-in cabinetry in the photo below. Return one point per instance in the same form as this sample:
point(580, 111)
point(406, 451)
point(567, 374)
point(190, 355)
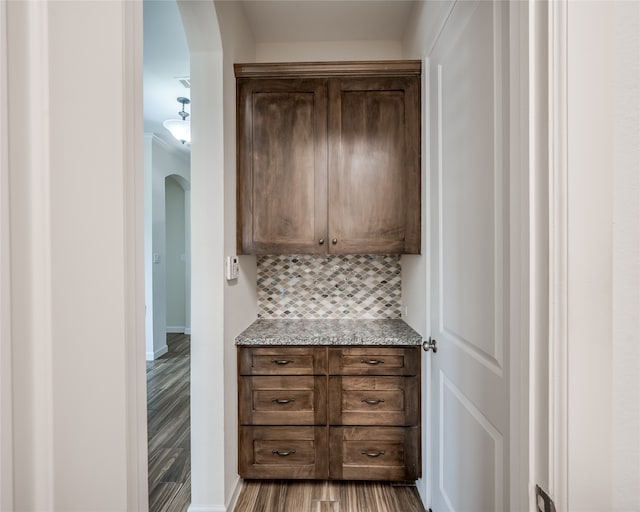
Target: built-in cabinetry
point(318, 412)
point(328, 158)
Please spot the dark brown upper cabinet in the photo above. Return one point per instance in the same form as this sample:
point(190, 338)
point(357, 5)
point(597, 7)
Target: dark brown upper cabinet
point(329, 158)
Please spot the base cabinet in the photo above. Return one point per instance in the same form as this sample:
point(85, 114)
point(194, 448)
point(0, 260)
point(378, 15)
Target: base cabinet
point(344, 413)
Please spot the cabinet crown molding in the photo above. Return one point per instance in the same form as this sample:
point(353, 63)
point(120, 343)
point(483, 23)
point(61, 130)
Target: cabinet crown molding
point(328, 69)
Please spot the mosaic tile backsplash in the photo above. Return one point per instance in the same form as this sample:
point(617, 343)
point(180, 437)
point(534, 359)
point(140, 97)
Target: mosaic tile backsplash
point(316, 287)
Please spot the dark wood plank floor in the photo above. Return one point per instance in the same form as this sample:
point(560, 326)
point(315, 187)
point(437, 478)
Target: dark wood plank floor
point(169, 427)
point(318, 496)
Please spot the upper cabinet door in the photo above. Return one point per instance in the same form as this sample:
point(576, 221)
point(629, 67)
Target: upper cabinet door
point(374, 165)
point(282, 166)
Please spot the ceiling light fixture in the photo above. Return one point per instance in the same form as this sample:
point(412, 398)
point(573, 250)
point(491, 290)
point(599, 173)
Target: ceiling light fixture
point(180, 128)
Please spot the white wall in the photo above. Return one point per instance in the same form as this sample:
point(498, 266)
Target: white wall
point(208, 393)
point(300, 51)
point(76, 248)
point(626, 263)
point(425, 23)
point(604, 256)
point(6, 377)
point(176, 255)
point(240, 296)
point(160, 161)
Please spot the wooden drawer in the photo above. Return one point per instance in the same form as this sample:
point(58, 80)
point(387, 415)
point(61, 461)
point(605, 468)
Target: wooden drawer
point(282, 400)
point(282, 360)
point(375, 453)
point(374, 400)
point(283, 452)
point(374, 360)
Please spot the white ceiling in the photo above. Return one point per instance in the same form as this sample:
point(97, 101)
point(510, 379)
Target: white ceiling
point(281, 21)
point(166, 53)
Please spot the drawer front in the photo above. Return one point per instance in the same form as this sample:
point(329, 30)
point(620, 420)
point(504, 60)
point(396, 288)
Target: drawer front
point(283, 452)
point(374, 361)
point(287, 400)
point(374, 401)
point(282, 360)
point(375, 453)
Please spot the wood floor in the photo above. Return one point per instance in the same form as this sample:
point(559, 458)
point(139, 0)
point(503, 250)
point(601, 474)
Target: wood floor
point(169, 432)
point(169, 427)
point(315, 496)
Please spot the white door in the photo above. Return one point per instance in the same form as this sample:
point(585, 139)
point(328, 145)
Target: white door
point(469, 99)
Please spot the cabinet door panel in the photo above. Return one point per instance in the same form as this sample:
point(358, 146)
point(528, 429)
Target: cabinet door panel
point(375, 453)
point(279, 360)
point(374, 360)
point(283, 452)
point(374, 165)
point(282, 166)
point(393, 401)
point(299, 400)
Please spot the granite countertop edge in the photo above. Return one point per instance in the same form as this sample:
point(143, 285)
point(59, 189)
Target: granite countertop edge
point(393, 332)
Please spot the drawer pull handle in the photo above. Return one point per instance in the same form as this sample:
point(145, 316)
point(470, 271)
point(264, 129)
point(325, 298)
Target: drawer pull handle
point(283, 454)
point(282, 361)
point(372, 401)
point(372, 361)
point(283, 400)
point(371, 453)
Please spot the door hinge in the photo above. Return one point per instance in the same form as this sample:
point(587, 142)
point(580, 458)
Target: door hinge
point(430, 344)
point(544, 503)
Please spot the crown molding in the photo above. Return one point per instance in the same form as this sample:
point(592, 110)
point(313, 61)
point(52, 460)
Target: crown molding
point(329, 69)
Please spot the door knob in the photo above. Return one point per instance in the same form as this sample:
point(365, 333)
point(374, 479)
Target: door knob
point(430, 344)
point(334, 241)
point(321, 241)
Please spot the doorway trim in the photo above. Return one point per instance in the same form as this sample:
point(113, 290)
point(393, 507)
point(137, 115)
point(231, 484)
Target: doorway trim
point(134, 309)
point(558, 253)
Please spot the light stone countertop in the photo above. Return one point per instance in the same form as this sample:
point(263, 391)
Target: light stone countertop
point(329, 332)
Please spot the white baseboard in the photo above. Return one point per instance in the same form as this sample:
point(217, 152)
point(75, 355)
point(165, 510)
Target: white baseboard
point(173, 329)
point(235, 493)
point(152, 356)
point(231, 504)
point(187, 330)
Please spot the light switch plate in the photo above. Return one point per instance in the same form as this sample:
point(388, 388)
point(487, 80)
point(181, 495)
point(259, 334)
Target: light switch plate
point(231, 268)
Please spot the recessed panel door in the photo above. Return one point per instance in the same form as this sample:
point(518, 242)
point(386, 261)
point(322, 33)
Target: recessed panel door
point(469, 100)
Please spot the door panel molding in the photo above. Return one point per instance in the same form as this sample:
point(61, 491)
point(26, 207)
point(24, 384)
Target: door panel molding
point(492, 354)
point(486, 425)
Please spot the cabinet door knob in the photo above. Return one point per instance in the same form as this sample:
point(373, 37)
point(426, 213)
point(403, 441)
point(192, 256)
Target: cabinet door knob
point(321, 241)
point(334, 241)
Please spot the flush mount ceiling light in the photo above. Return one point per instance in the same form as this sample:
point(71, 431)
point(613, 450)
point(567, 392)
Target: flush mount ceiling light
point(180, 128)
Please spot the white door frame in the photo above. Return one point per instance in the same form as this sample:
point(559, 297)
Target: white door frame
point(520, 232)
point(558, 253)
